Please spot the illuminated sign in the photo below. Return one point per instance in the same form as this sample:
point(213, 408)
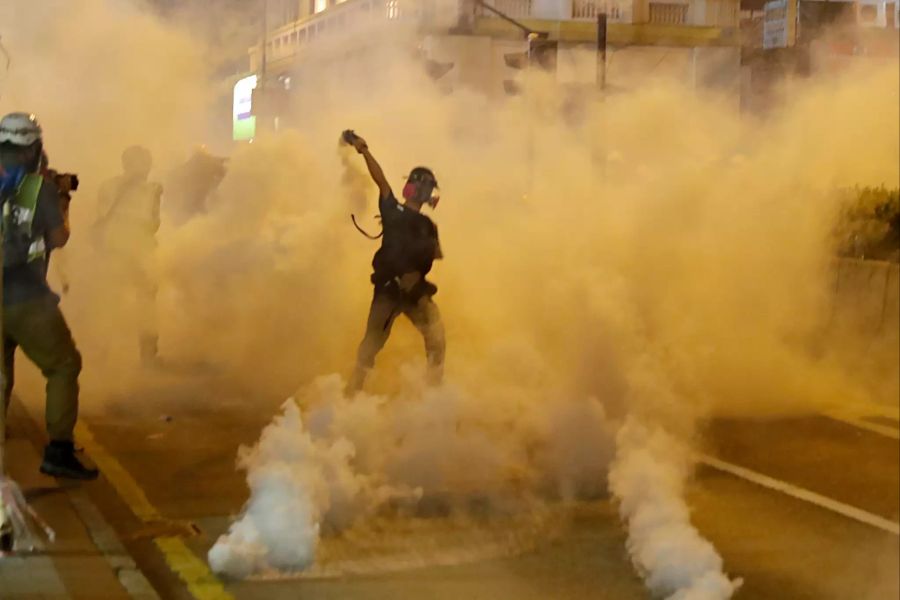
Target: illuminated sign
point(243, 121)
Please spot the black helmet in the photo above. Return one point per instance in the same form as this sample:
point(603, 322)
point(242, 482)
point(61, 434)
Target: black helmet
point(420, 174)
point(422, 186)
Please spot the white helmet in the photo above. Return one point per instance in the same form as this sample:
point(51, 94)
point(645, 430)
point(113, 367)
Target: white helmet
point(20, 129)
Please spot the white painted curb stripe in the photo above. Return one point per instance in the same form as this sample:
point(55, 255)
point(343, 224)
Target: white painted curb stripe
point(846, 510)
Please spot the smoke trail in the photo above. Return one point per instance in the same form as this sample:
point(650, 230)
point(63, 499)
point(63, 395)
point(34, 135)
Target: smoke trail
point(298, 484)
point(647, 477)
point(280, 526)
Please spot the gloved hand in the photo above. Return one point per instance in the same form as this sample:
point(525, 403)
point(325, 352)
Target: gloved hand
point(350, 137)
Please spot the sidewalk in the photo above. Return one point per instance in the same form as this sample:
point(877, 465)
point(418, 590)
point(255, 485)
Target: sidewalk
point(74, 566)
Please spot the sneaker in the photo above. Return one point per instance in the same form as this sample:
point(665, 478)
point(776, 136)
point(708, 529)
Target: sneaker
point(60, 461)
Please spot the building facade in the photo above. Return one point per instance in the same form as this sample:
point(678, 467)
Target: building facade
point(693, 41)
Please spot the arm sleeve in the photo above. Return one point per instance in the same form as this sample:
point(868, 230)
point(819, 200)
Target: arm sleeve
point(48, 209)
point(387, 205)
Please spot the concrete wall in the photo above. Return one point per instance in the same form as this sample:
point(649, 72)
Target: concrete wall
point(863, 328)
point(867, 297)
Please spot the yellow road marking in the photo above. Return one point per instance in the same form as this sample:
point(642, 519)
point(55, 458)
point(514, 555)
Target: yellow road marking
point(120, 479)
point(201, 583)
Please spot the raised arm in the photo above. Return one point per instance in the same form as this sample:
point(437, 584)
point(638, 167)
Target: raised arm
point(375, 171)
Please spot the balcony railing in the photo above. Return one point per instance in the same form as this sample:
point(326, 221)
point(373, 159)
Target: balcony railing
point(579, 10)
point(590, 9)
point(289, 39)
point(668, 13)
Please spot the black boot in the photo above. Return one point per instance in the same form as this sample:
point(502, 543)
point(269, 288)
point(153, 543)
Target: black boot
point(60, 461)
point(6, 538)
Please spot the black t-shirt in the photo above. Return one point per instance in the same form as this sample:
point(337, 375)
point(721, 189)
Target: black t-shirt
point(410, 242)
point(28, 281)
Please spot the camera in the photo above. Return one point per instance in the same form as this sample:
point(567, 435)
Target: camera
point(66, 182)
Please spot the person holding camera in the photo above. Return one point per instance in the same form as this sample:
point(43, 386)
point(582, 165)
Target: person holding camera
point(127, 222)
point(34, 223)
point(409, 246)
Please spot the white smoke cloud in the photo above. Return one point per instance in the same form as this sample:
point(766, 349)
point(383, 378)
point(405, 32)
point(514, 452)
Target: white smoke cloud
point(349, 457)
point(648, 477)
point(299, 483)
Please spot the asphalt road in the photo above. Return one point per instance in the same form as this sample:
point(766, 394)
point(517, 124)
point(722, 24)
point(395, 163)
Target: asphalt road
point(177, 442)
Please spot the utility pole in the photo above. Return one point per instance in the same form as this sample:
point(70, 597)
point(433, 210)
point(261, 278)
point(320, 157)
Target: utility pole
point(601, 51)
point(262, 45)
point(600, 148)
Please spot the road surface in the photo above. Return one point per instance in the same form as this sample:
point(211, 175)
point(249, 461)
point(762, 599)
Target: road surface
point(800, 508)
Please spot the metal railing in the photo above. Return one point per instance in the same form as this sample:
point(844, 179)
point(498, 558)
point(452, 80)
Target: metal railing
point(668, 13)
point(588, 10)
point(288, 39)
point(581, 10)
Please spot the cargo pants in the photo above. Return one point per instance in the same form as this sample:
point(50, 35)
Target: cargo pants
point(40, 330)
point(386, 307)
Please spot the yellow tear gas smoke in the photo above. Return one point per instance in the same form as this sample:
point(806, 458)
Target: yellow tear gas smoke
point(656, 260)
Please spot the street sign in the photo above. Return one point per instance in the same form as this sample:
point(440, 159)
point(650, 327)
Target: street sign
point(775, 26)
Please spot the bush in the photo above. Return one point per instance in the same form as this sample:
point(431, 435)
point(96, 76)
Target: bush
point(869, 224)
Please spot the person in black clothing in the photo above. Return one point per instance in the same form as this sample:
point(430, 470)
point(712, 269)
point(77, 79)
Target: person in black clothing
point(409, 247)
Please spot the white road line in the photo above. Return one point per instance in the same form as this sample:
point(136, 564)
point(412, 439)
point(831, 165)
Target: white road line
point(114, 552)
point(846, 510)
point(859, 422)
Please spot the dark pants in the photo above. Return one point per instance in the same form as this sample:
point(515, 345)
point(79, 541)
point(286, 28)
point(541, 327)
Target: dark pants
point(38, 327)
point(387, 306)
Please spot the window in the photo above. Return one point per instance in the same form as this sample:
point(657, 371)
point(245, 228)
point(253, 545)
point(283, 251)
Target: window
point(666, 13)
point(320, 5)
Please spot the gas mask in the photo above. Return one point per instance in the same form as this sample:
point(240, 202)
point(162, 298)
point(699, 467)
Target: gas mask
point(421, 187)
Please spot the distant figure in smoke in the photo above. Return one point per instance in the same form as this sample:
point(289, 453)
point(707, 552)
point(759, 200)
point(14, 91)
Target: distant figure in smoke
point(126, 227)
point(409, 247)
point(35, 221)
point(192, 185)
